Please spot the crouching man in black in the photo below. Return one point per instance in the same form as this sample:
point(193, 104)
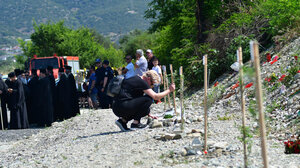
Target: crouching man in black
point(135, 99)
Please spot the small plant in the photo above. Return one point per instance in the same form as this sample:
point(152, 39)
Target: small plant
point(248, 138)
point(252, 109)
point(224, 118)
point(272, 107)
point(64, 157)
point(215, 94)
point(138, 163)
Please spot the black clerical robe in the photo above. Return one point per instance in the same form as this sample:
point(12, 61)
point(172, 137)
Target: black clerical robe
point(64, 106)
point(33, 85)
point(45, 110)
point(3, 88)
point(74, 97)
point(17, 105)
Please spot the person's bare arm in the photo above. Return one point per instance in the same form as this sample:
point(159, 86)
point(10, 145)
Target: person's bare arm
point(104, 83)
point(158, 96)
point(92, 86)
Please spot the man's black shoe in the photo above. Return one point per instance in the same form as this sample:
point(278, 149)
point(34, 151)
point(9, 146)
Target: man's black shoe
point(138, 126)
point(122, 125)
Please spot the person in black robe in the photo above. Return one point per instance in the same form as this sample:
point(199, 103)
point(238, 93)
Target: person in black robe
point(46, 117)
point(24, 80)
point(33, 97)
point(52, 84)
point(3, 92)
point(73, 91)
point(16, 103)
point(64, 106)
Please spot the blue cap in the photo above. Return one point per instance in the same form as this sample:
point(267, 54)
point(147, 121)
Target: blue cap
point(98, 60)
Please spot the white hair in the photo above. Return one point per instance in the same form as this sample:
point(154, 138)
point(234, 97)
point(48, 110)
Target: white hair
point(140, 52)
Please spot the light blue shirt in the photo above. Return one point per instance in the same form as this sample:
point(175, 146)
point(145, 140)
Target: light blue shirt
point(130, 71)
point(143, 65)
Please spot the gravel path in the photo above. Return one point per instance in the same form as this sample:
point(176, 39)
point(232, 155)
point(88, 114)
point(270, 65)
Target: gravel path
point(93, 140)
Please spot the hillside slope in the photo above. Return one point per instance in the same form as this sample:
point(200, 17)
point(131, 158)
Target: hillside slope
point(106, 16)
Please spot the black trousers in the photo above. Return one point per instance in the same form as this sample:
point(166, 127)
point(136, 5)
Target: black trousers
point(4, 114)
point(132, 109)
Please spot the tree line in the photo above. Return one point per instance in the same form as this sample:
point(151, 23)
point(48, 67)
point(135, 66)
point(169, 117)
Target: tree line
point(181, 32)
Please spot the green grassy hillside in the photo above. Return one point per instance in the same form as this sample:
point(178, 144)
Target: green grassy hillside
point(106, 16)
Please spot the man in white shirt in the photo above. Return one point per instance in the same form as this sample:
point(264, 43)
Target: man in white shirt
point(129, 70)
point(141, 64)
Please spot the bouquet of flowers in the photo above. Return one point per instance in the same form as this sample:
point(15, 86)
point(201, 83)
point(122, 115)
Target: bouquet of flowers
point(292, 145)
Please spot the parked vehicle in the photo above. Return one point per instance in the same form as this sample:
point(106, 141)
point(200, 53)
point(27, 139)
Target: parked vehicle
point(55, 61)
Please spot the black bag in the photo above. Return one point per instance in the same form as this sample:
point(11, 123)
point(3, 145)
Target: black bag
point(114, 86)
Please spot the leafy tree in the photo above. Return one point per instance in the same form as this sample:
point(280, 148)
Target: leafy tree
point(57, 38)
point(137, 40)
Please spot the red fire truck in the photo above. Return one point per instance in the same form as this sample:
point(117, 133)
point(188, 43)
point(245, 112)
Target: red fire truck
point(56, 62)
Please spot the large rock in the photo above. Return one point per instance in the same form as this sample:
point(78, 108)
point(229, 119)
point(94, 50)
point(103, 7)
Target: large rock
point(156, 124)
point(220, 145)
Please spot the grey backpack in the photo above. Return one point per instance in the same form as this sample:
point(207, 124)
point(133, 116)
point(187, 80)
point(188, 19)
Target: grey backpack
point(114, 86)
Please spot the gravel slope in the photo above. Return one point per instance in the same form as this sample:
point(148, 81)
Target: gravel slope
point(93, 140)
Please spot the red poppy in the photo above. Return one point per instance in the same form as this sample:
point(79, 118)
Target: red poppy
point(298, 71)
point(54, 55)
point(296, 57)
point(249, 85)
point(235, 86)
point(216, 84)
point(275, 60)
point(205, 152)
point(268, 57)
point(282, 77)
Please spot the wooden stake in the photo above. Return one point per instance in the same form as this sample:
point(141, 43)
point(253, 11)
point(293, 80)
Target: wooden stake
point(240, 60)
point(167, 85)
point(174, 94)
point(164, 79)
point(205, 102)
point(181, 97)
point(1, 116)
point(260, 104)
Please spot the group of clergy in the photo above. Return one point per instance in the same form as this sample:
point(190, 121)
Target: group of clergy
point(38, 99)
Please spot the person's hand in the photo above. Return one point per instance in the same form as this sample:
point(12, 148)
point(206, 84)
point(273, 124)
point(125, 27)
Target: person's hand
point(10, 90)
point(172, 87)
point(102, 90)
point(0, 91)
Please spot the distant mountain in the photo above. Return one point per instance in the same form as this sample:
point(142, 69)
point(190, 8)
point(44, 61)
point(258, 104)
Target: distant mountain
point(108, 17)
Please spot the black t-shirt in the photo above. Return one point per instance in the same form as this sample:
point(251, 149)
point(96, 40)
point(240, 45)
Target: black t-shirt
point(109, 73)
point(101, 73)
point(150, 64)
point(132, 88)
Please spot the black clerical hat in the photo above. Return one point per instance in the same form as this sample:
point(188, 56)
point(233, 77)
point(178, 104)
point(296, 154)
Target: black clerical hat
point(12, 74)
point(17, 72)
point(106, 62)
point(68, 67)
point(50, 68)
point(33, 71)
point(43, 71)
